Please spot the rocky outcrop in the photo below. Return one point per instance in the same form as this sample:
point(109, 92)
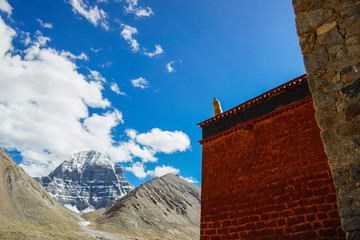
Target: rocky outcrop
point(86, 181)
point(163, 208)
point(330, 42)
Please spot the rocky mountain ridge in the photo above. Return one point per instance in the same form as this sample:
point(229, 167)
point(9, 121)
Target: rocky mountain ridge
point(163, 208)
point(86, 181)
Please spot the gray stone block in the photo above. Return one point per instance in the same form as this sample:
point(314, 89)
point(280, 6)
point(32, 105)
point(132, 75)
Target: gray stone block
point(333, 37)
point(316, 60)
point(348, 211)
point(339, 177)
point(352, 90)
point(351, 224)
point(355, 173)
point(324, 100)
point(334, 87)
point(353, 236)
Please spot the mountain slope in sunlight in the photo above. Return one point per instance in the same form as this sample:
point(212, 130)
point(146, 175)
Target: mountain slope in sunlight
point(27, 210)
point(166, 207)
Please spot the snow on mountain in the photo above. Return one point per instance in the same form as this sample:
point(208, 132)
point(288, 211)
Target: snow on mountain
point(87, 181)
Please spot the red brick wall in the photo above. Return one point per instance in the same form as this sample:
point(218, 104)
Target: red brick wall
point(269, 182)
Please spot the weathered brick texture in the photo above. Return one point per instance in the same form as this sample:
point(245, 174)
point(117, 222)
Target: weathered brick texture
point(269, 181)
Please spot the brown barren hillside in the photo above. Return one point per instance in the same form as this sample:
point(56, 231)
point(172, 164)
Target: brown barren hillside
point(27, 211)
point(163, 208)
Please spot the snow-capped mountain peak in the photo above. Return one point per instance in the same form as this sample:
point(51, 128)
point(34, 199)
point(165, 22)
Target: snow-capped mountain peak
point(81, 159)
point(86, 180)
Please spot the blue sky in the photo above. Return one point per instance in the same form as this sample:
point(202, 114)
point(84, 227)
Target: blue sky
point(233, 50)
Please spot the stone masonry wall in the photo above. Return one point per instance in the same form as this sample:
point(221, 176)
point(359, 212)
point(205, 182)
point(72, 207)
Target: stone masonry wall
point(329, 32)
point(269, 179)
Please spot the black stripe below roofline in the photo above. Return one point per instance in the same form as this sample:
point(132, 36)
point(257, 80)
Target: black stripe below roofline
point(284, 98)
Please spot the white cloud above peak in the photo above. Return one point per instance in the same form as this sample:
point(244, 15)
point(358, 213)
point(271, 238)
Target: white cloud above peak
point(5, 7)
point(158, 51)
point(93, 14)
point(190, 179)
point(157, 141)
point(163, 170)
point(138, 169)
point(164, 141)
point(140, 83)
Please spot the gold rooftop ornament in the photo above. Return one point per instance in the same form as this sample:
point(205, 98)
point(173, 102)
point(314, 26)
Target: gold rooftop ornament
point(217, 107)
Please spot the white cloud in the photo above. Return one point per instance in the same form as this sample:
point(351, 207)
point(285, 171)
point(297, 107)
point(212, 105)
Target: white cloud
point(40, 39)
point(42, 101)
point(138, 170)
point(6, 36)
point(96, 76)
point(164, 141)
point(95, 50)
point(131, 133)
point(169, 67)
point(105, 25)
point(102, 124)
point(131, 6)
point(139, 12)
point(5, 7)
point(92, 14)
point(105, 65)
point(127, 33)
point(25, 38)
point(158, 51)
point(140, 83)
point(71, 56)
point(190, 179)
point(134, 150)
point(114, 87)
point(44, 24)
point(163, 170)
point(156, 141)
point(44, 109)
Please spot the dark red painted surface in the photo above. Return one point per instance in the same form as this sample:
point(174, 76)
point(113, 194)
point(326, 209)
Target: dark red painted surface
point(269, 181)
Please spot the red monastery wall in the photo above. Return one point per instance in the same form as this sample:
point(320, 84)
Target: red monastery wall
point(269, 179)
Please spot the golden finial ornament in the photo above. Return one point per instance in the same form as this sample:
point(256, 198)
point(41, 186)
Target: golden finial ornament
point(217, 107)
